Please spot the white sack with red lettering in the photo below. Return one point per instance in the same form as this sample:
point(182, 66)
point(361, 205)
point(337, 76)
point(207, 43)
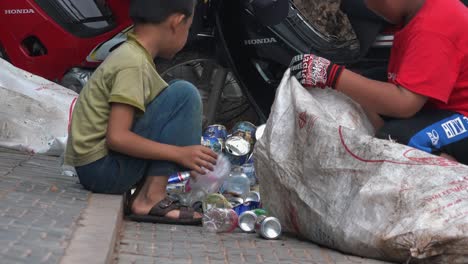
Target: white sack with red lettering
point(326, 178)
point(34, 112)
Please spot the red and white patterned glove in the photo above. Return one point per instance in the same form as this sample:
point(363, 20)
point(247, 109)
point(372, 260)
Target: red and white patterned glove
point(314, 71)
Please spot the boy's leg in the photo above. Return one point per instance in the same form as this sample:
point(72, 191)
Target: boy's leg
point(433, 131)
point(174, 118)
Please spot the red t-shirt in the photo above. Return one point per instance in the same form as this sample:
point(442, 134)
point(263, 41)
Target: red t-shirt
point(430, 55)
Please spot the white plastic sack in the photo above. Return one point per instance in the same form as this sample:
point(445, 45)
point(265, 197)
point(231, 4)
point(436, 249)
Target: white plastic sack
point(327, 179)
point(34, 112)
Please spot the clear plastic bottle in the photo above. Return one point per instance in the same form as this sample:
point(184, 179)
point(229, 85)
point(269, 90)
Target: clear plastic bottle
point(220, 220)
point(249, 170)
point(237, 184)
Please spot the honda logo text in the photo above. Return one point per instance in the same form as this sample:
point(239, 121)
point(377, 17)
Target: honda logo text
point(260, 41)
point(19, 11)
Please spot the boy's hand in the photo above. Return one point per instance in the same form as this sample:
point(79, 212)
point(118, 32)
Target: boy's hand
point(314, 71)
point(196, 157)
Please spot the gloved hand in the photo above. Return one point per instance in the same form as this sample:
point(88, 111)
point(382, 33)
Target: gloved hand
point(314, 71)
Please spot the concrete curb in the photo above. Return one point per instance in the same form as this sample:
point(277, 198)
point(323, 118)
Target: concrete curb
point(94, 239)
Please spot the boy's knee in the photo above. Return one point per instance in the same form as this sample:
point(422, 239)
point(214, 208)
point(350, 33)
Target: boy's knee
point(184, 90)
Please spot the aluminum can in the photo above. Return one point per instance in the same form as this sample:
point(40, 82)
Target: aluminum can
point(248, 218)
point(247, 135)
point(179, 177)
point(246, 206)
point(252, 197)
point(237, 150)
point(216, 131)
point(268, 227)
point(246, 130)
point(215, 144)
point(246, 127)
point(176, 188)
point(235, 201)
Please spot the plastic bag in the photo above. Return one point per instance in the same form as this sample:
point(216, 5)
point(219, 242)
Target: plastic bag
point(325, 176)
point(210, 182)
point(34, 112)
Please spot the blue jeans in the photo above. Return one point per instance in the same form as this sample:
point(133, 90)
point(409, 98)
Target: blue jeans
point(173, 117)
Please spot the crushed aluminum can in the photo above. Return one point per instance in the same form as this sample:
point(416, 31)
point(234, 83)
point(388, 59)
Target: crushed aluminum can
point(248, 218)
point(252, 197)
point(268, 227)
point(237, 150)
point(216, 131)
point(245, 126)
point(259, 132)
point(175, 188)
point(178, 177)
point(235, 201)
point(215, 144)
point(246, 206)
point(247, 135)
point(246, 130)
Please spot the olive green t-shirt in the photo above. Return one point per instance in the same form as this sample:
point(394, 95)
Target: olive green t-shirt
point(127, 76)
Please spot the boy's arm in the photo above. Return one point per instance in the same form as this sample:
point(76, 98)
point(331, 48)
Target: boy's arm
point(383, 98)
point(121, 139)
point(374, 96)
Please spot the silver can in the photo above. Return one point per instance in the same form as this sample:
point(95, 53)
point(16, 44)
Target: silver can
point(252, 197)
point(247, 221)
point(235, 201)
point(237, 150)
point(268, 227)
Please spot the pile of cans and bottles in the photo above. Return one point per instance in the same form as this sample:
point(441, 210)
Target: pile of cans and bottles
point(237, 201)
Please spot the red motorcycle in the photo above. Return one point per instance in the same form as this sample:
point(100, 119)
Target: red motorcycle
point(60, 40)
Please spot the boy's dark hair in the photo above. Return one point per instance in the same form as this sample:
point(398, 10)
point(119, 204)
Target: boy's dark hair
point(157, 11)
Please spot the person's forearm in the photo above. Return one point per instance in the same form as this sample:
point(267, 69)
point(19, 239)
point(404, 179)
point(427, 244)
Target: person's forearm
point(380, 97)
point(134, 145)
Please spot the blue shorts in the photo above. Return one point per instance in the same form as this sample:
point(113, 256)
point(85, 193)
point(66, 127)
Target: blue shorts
point(434, 131)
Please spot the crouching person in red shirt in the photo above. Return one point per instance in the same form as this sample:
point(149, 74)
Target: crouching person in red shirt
point(426, 96)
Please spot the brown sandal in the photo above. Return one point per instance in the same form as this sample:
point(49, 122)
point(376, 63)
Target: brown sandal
point(157, 214)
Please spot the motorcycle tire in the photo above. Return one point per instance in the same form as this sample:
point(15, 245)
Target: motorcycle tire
point(195, 67)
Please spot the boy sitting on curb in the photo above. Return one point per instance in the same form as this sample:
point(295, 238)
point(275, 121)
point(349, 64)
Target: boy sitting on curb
point(131, 128)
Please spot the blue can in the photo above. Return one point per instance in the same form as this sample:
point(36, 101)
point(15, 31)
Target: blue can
point(246, 130)
point(248, 206)
point(215, 144)
point(216, 131)
point(246, 127)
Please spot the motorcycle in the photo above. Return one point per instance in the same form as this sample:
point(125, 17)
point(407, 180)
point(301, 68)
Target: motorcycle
point(237, 66)
point(60, 39)
point(237, 58)
point(235, 55)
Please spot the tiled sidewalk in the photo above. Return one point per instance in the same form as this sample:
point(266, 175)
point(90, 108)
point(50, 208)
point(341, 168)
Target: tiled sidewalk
point(39, 208)
point(149, 243)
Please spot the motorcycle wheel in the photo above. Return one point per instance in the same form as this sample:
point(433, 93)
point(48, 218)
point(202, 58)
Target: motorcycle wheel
point(199, 68)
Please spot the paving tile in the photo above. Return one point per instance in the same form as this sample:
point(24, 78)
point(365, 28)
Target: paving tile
point(36, 222)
